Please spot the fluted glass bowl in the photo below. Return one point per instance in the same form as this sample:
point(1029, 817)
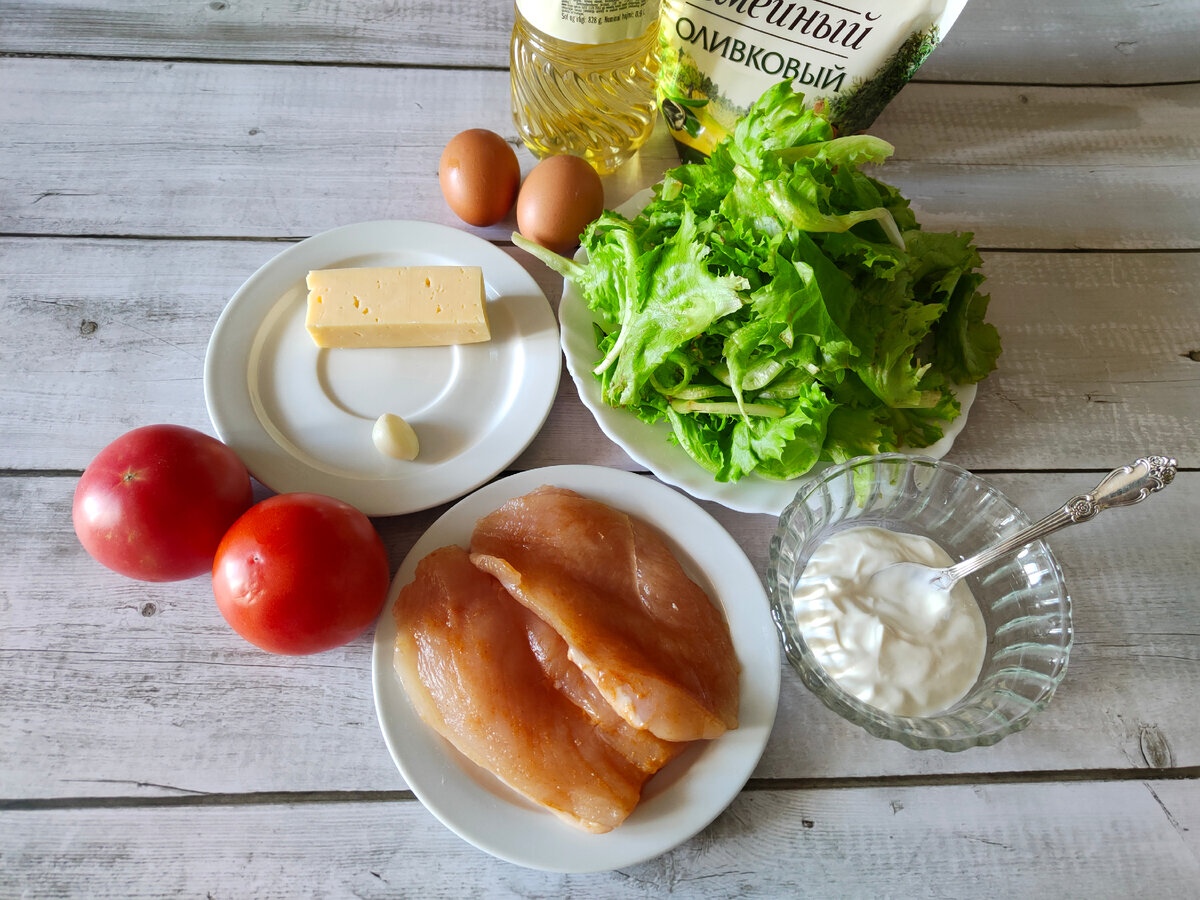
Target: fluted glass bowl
point(1024, 601)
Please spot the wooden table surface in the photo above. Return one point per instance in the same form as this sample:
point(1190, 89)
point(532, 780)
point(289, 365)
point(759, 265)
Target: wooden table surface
point(153, 155)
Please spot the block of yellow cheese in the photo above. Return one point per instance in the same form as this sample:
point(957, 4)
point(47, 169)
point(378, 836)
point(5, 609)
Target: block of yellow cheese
point(406, 306)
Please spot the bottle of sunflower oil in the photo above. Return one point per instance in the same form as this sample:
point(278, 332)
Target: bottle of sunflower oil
point(584, 74)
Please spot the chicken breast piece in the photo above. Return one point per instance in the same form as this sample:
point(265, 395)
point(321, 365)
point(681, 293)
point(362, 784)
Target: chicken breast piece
point(643, 749)
point(645, 634)
point(464, 656)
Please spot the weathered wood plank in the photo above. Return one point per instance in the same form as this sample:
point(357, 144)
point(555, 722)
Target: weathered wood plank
point(111, 334)
point(1026, 41)
point(117, 688)
point(1043, 168)
point(114, 692)
point(455, 33)
point(127, 148)
point(1096, 363)
point(191, 149)
point(1016, 41)
point(1092, 839)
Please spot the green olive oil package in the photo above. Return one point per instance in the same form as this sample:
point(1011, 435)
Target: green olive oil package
point(719, 56)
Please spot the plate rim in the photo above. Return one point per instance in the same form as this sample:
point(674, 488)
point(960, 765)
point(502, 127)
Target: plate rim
point(758, 652)
point(536, 385)
point(753, 493)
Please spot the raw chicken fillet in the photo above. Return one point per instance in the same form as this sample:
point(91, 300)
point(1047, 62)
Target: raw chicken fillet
point(465, 655)
point(568, 654)
point(645, 634)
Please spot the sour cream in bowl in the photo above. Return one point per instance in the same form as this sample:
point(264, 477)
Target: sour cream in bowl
point(931, 670)
point(901, 646)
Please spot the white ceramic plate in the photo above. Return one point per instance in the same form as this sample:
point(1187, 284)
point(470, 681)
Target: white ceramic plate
point(300, 417)
point(678, 801)
point(649, 446)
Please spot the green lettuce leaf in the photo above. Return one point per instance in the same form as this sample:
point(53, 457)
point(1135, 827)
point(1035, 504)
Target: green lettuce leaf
point(778, 307)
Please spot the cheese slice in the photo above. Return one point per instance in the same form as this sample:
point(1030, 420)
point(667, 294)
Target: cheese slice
point(409, 306)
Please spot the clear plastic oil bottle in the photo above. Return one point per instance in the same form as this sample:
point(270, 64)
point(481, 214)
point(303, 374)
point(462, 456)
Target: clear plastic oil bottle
point(584, 77)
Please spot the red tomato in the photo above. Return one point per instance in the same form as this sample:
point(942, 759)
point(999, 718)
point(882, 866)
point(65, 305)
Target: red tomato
point(155, 502)
point(301, 573)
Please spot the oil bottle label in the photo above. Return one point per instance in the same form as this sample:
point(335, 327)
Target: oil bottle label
point(590, 21)
point(719, 56)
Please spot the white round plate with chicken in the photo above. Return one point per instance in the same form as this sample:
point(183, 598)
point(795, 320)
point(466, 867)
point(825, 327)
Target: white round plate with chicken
point(679, 800)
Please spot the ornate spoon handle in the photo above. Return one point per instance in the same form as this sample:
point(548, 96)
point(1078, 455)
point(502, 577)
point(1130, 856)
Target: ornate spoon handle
point(1120, 487)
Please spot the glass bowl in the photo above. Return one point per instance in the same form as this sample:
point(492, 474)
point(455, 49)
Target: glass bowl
point(1024, 601)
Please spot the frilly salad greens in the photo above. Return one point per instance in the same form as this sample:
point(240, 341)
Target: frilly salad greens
point(778, 307)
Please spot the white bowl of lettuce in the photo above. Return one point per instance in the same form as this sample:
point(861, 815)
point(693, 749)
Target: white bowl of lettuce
point(773, 310)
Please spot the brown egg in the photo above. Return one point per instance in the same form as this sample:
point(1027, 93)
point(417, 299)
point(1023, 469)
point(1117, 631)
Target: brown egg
point(480, 176)
point(559, 199)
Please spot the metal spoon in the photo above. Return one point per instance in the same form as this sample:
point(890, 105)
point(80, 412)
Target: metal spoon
point(1120, 487)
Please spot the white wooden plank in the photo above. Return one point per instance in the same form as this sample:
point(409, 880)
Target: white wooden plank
point(1027, 41)
point(230, 150)
point(112, 335)
point(114, 689)
point(457, 33)
point(1016, 41)
point(117, 688)
point(273, 151)
point(1067, 840)
point(989, 125)
point(1096, 364)
point(1049, 167)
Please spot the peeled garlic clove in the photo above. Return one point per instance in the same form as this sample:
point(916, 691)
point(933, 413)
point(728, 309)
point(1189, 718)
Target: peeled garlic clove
point(394, 437)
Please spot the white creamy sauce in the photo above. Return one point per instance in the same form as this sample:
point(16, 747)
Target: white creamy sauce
point(898, 644)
